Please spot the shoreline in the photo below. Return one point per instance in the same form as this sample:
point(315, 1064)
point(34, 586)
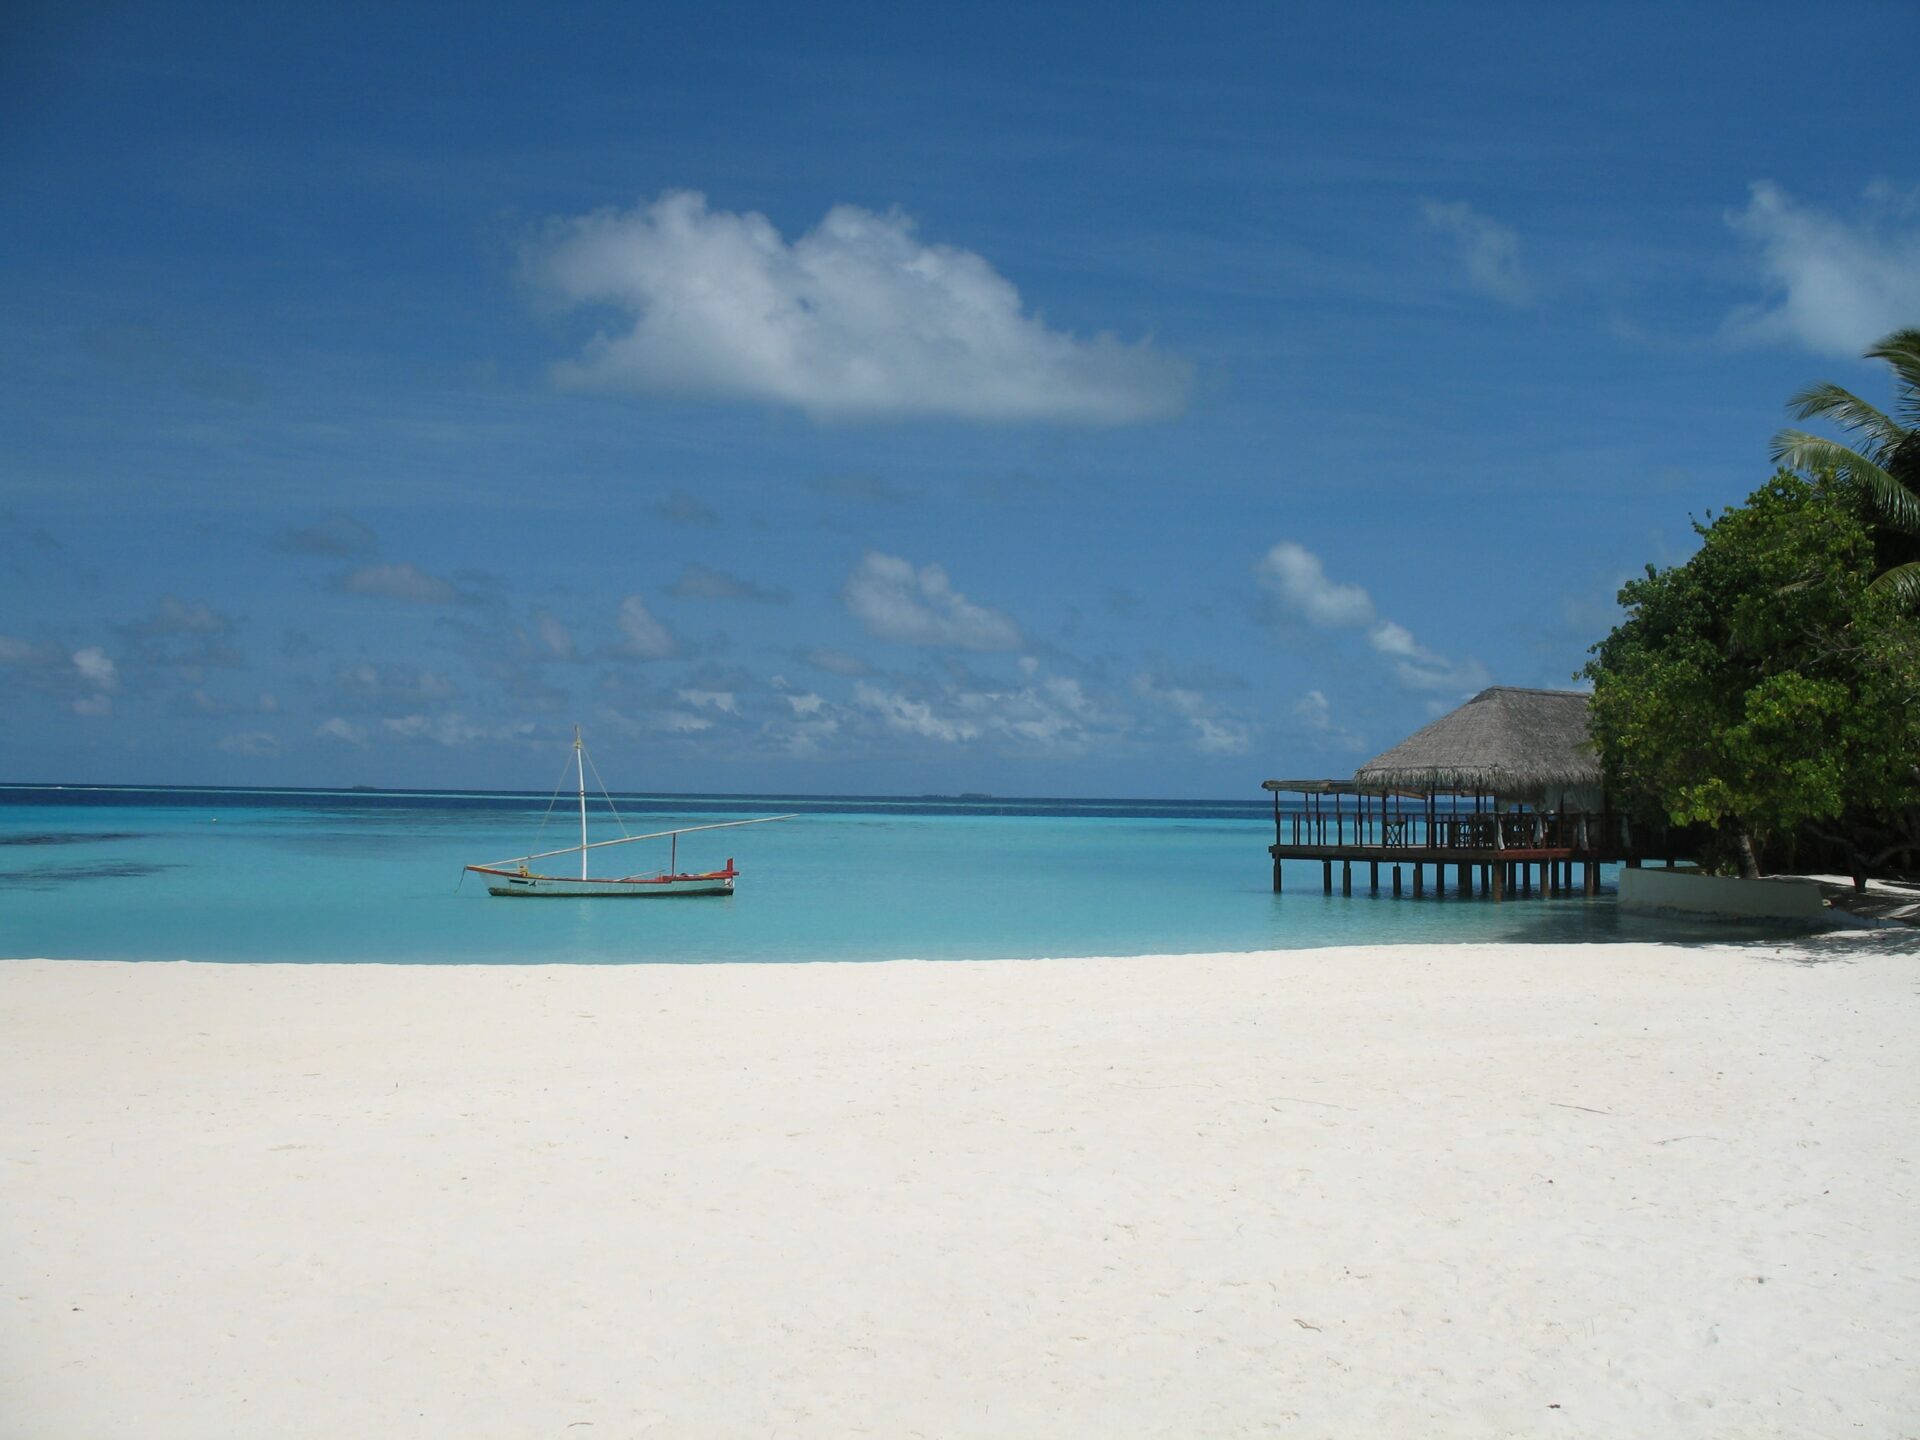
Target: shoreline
point(1580, 1189)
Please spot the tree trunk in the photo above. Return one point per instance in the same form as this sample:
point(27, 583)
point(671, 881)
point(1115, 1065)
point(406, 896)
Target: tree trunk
point(1749, 866)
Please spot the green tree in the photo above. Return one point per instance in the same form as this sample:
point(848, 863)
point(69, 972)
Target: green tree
point(1766, 689)
point(1883, 466)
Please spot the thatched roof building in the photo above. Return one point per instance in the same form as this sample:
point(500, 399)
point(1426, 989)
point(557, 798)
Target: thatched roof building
point(1514, 744)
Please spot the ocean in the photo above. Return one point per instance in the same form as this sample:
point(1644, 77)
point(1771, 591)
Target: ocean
point(162, 873)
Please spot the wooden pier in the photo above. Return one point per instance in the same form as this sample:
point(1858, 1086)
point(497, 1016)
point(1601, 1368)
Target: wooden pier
point(1508, 850)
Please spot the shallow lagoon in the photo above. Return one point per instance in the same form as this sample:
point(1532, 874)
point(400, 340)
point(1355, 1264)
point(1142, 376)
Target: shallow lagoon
point(325, 876)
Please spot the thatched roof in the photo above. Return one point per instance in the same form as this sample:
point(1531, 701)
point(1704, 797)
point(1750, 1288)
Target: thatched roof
point(1517, 744)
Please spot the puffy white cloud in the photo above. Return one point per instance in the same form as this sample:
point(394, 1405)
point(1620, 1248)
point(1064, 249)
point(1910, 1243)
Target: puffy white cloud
point(96, 667)
point(1315, 712)
point(1215, 731)
point(1418, 668)
point(397, 581)
point(341, 729)
point(895, 601)
point(720, 700)
point(1489, 250)
point(1295, 574)
point(641, 635)
point(1838, 285)
point(856, 318)
point(913, 717)
point(1052, 714)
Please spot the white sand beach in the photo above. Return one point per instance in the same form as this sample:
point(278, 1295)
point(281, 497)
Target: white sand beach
point(1582, 1190)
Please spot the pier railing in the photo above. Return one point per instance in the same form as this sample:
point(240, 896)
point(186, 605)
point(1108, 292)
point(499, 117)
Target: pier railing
point(1378, 823)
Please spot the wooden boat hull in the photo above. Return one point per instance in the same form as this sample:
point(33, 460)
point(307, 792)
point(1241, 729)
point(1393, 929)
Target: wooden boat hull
point(630, 887)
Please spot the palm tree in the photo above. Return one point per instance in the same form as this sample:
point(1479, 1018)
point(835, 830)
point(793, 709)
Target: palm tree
point(1885, 469)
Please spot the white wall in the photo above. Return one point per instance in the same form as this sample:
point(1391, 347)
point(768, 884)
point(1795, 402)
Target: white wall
point(1691, 892)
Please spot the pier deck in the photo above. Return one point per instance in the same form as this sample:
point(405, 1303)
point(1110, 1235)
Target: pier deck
point(1505, 848)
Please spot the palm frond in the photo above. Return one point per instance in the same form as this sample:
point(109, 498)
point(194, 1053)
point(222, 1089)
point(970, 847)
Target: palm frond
point(1826, 401)
point(1901, 350)
point(1902, 582)
point(1897, 505)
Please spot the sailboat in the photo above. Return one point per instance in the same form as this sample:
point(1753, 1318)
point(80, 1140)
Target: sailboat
point(513, 877)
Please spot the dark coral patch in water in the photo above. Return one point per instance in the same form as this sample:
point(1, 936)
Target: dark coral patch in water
point(46, 879)
point(69, 837)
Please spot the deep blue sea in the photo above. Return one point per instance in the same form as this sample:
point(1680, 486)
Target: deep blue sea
point(302, 875)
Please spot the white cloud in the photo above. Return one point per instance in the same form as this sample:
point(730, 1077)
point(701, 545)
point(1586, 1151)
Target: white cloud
point(913, 717)
point(96, 667)
point(397, 581)
point(1419, 668)
point(1214, 731)
point(642, 636)
point(554, 637)
point(721, 700)
point(1838, 285)
point(14, 651)
point(452, 731)
point(894, 601)
point(1315, 711)
point(392, 687)
point(834, 662)
point(857, 318)
point(256, 743)
point(1489, 250)
point(343, 730)
point(681, 722)
point(1295, 574)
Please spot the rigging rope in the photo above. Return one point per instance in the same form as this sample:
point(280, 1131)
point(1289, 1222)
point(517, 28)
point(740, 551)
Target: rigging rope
point(603, 789)
point(552, 800)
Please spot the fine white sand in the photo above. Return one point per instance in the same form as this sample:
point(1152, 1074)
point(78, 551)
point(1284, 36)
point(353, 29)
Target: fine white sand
point(1604, 1190)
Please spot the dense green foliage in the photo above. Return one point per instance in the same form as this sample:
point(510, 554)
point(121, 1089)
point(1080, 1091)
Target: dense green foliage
point(1882, 467)
point(1767, 691)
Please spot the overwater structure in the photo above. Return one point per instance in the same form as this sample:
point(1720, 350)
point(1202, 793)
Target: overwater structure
point(1505, 789)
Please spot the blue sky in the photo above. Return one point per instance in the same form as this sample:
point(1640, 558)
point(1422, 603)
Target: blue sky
point(1029, 399)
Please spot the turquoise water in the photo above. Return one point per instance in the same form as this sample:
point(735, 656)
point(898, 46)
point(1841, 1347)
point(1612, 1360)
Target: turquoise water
point(310, 876)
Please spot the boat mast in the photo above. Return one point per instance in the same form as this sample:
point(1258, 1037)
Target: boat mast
point(580, 770)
